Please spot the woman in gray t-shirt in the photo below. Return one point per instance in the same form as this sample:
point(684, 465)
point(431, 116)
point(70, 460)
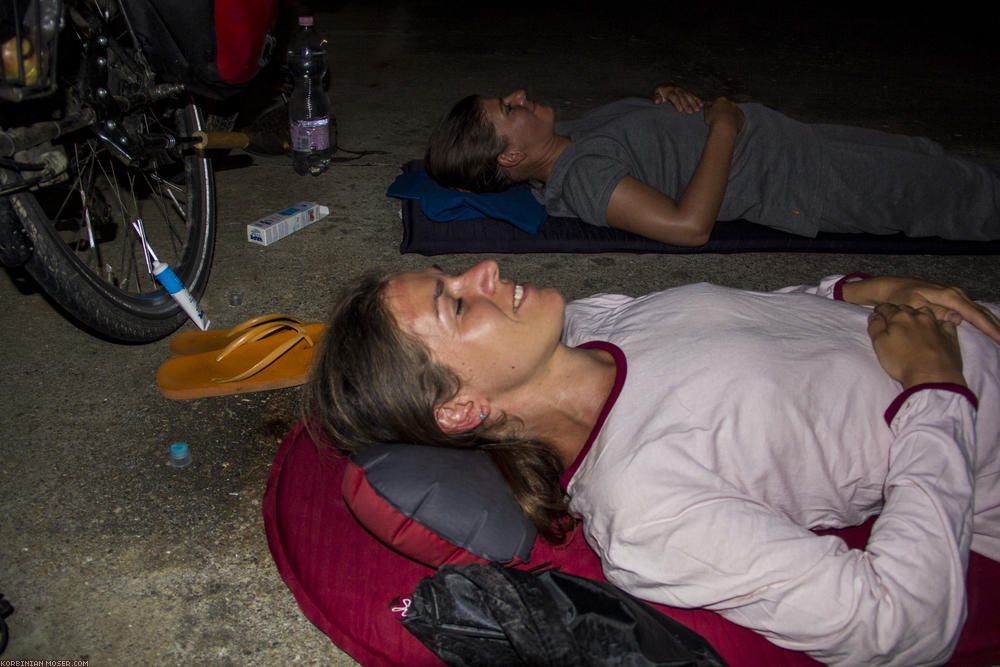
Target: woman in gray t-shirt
point(666, 172)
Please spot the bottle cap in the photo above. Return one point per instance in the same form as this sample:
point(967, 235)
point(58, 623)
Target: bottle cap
point(305, 20)
point(180, 455)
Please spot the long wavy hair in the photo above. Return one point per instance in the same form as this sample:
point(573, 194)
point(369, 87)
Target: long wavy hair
point(373, 383)
point(463, 149)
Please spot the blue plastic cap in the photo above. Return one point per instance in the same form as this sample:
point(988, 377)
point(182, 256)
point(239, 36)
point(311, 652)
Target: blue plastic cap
point(180, 455)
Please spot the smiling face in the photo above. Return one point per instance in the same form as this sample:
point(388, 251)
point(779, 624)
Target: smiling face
point(524, 124)
point(494, 334)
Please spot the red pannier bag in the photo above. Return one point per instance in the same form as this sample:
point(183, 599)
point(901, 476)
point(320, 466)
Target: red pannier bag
point(212, 47)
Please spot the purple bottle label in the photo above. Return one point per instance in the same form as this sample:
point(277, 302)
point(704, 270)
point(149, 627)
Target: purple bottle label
point(309, 135)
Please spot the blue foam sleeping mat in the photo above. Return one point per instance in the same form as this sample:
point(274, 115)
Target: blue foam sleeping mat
point(481, 233)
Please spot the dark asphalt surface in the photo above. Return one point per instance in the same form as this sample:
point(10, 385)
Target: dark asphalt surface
point(110, 555)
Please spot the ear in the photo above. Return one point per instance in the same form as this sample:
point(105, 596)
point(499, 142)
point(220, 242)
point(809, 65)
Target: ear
point(457, 416)
point(511, 157)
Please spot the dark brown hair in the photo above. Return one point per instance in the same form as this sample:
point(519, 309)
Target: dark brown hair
point(463, 149)
point(372, 383)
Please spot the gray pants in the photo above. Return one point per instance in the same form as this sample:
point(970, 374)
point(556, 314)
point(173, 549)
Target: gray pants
point(884, 183)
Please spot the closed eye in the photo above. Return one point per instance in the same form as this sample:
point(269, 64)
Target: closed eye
point(458, 306)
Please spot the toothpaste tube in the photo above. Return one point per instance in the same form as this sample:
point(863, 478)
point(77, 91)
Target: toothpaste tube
point(278, 225)
point(173, 284)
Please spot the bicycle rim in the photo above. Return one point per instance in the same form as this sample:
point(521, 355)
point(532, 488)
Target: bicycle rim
point(91, 226)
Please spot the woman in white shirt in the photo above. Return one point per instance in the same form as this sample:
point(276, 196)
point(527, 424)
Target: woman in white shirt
point(700, 432)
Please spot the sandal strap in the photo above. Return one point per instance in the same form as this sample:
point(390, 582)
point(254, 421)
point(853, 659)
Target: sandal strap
point(261, 319)
point(269, 359)
point(256, 333)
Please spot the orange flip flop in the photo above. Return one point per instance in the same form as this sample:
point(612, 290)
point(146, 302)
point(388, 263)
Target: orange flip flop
point(196, 342)
point(253, 361)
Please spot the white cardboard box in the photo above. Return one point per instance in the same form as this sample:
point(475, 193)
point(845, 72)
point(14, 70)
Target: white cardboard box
point(278, 225)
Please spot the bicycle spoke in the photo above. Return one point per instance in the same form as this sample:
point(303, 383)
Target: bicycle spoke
point(111, 177)
point(93, 248)
point(88, 225)
point(156, 196)
point(171, 188)
point(135, 246)
point(123, 259)
point(77, 184)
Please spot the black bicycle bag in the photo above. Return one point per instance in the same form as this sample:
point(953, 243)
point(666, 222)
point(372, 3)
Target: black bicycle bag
point(486, 614)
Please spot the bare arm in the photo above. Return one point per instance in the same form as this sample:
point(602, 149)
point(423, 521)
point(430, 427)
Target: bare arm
point(688, 221)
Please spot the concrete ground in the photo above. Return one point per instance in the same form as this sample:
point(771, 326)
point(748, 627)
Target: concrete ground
point(109, 555)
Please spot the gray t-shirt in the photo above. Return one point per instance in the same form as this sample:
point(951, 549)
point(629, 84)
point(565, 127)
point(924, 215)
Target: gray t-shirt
point(775, 176)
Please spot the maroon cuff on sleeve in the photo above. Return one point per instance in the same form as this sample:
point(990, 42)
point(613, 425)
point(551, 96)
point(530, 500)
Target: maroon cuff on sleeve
point(897, 403)
point(838, 287)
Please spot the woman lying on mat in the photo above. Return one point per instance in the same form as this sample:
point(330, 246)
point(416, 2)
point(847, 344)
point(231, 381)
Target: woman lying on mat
point(664, 172)
point(701, 432)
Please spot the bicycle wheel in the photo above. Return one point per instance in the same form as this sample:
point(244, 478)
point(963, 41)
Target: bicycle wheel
point(87, 255)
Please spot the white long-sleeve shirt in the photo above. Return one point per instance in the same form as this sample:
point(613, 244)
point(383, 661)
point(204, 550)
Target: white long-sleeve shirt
point(746, 419)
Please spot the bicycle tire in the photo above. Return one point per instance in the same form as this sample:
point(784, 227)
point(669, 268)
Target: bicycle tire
point(124, 303)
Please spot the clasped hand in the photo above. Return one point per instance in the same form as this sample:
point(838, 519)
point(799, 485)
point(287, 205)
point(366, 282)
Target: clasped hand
point(914, 347)
point(720, 110)
point(945, 303)
point(913, 326)
point(682, 100)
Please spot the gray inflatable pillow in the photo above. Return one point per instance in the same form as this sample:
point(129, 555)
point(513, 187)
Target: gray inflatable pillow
point(438, 505)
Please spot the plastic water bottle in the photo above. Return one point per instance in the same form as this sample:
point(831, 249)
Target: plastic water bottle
point(308, 108)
